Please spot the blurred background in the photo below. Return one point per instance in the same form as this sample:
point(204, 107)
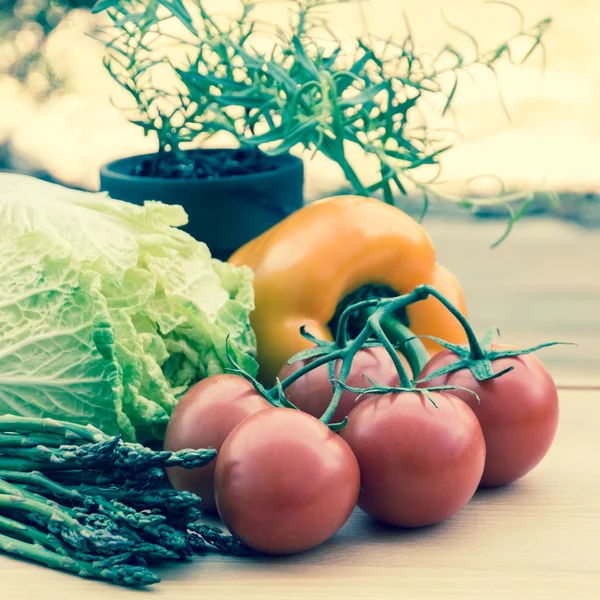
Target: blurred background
point(58, 113)
point(61, 118)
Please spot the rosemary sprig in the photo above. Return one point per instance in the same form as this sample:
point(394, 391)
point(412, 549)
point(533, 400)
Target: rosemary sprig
point(309, 88)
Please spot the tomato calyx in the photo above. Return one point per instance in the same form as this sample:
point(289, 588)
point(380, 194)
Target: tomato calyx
point(425, 391)
point(274, 396)
point(375, 313)
point(478, 355)
point(479, 358)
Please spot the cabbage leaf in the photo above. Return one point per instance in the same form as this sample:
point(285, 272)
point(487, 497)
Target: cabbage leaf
point(108, 312)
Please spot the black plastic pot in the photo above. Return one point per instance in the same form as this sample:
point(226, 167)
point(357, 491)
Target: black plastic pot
point(225, 213)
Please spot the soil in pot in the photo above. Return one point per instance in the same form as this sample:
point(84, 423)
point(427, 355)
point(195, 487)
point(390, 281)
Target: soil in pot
point(215, 165)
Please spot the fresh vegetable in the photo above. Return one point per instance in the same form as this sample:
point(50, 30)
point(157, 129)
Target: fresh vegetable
point(308, 263)
point(74, 498)
point(517, 400)
point(381, 429)
point(284, 482)
point(420, 452)
point(518, 411)
point(420, 462)
point(108, 313)
point(203, 418)
point(312, 392)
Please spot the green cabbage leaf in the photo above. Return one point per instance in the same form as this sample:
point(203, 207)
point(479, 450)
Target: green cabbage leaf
point(108, 312)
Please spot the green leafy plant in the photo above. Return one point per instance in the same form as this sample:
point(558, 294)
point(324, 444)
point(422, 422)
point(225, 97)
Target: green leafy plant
point(308, 88)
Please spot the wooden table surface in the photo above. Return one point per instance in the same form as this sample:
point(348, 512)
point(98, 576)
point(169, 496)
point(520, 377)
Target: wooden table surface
point(538, 539)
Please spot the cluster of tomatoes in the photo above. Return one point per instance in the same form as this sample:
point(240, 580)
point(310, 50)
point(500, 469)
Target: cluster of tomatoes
point(284, 482)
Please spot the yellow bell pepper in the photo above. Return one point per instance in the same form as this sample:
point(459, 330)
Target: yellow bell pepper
point(306, 264)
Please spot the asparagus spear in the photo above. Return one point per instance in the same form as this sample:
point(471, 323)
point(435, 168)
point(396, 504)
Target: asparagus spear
point(68, 431)
point(74, 498)
point(113, 451)
point(127, 575)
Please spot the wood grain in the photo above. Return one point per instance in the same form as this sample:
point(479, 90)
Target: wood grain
point(537, 540)
point(535, 287)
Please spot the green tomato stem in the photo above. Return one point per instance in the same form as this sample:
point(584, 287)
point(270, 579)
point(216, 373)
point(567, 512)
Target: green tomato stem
point(403, 377)
point(317, 362)
point(477, 352)
point(381, 323)
point(348, 353)
point(342, 330)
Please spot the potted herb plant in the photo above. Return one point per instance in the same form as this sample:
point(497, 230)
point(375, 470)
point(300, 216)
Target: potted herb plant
point(230, 195)
point(194, 74)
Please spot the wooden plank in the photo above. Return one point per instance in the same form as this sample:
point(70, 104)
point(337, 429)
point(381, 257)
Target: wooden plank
point(537, 286)
point(537, 540)
point(577, 383)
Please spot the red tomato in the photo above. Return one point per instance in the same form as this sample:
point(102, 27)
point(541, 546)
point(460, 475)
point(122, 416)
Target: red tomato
point(312, 392)
point(418, 464)
point(284, 482)
point(518, 412)
point(203, 418)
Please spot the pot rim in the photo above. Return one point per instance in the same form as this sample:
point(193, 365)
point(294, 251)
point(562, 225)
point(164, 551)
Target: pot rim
point(289, 163)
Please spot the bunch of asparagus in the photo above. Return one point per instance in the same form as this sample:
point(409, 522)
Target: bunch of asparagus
point(76, 499)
